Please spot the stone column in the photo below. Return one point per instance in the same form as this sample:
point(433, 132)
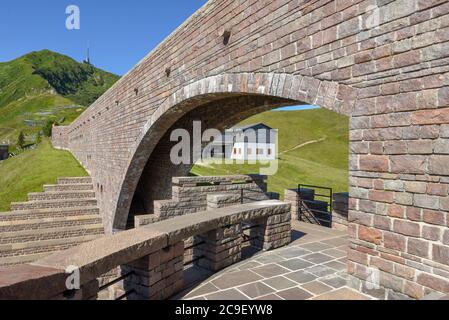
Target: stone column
point(273, 232)
point(221, 248)
point(294, 196)
point(157, 276)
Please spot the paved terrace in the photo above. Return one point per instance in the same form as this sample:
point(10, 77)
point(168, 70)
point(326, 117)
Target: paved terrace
point(313, 267)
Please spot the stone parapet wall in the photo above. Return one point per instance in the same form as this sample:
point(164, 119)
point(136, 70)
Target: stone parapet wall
point(152, 258)
point(190, 195)
point(157, 276)
point(195, 194)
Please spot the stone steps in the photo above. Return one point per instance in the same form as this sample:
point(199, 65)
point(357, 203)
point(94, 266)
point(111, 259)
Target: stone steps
point(53, 204)
point(18, 253)
point(63, 216)
point(24, 236)
point(83, 180)
point(68, 187)
point(60, 195)
point(48, 213)
point(15, 260)
point(45, 223)
point(40, 246)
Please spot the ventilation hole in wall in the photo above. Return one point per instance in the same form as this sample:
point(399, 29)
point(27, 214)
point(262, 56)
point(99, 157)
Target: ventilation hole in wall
point(168, 72)
point(117, 102)
point(101, 189)
point(226, 37)
point(136, 91)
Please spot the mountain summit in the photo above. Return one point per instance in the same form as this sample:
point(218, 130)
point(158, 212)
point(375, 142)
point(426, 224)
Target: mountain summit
point(46, 85)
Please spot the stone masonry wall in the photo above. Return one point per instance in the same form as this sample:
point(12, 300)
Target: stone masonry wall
point(190, 195)
point(194, 194)
point(390, 77)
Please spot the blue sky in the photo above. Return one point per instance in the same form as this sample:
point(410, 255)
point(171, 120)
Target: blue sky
point(296, 108)
point(120, 32)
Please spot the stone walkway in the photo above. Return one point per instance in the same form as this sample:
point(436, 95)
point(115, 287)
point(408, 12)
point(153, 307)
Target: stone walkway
point(312, 267)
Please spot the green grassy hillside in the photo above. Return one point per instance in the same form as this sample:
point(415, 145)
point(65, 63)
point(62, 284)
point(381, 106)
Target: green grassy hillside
point(30, 170)
point(43, 86)
point(35, 89)
point(313, 147)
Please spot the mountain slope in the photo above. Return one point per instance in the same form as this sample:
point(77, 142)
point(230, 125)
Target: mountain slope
point(43, 86)
point(313, 149)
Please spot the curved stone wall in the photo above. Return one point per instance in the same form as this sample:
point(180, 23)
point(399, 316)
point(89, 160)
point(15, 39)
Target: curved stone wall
point(384, 63)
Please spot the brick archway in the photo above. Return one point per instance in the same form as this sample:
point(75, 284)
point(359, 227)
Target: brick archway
point(219, 101)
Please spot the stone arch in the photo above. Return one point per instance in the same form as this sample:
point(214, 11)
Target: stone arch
point(264, 91)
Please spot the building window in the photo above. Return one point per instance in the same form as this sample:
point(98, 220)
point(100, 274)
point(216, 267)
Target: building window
point(259, 151)
point(269, 151)
point(250, 151)
point(235, 151)
point(240, 150)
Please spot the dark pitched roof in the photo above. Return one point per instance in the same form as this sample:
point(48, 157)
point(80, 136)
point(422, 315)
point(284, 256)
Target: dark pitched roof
point(250, 126)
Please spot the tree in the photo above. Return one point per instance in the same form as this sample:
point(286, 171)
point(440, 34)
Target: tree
point(21, 140)
point(48, 128)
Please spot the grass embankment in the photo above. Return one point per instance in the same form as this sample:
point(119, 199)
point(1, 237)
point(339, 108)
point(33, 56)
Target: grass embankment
point(313, 147)
point(29, 171)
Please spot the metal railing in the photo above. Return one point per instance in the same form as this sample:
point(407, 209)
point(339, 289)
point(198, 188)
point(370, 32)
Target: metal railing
point(307, 210)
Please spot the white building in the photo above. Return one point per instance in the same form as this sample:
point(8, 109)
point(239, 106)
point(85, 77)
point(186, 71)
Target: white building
point(249, 143)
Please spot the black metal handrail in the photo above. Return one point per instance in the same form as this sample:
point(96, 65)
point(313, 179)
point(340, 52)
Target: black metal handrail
point(125, 295)
point(303, 208)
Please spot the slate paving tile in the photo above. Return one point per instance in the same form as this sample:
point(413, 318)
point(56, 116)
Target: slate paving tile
point(294, 294)
point(235, 279)
point(335, 282)
point(317, 287)
point(295, 264)
point(317, 258)
point(270, 297)
point(321, 271)
point(231, 294)
point(337, 241)
point(343, 260)
point(198, 299)
point(270, 270)
point(280, 283)
point(256, 289)
point(202, 290)
point(316, 246)
point(269, 258)
point(293, 253)
point(342, 294)
point(250, 265)
point(336, 253)
point(301, 277)
point(336, 265)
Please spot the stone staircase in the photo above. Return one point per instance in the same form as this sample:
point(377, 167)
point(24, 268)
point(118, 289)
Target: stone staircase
point(63, 216)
